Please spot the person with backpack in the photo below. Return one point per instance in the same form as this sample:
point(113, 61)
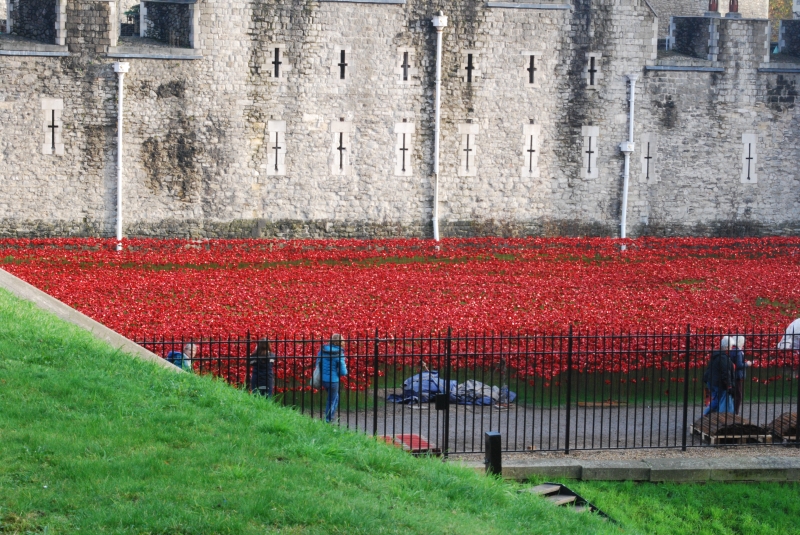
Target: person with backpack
point(718, 378)
point(332, 365)
point(183, 360)
point(262, 373)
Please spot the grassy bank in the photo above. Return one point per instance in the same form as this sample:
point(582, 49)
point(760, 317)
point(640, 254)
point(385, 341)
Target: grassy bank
point(97, 442)
point(699, 509)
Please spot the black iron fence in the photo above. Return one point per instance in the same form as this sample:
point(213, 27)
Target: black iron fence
point(545, 392)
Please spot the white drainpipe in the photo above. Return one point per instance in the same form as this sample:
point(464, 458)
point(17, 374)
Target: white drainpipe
point(120, 67)
point(439, 22)
point(627, 148)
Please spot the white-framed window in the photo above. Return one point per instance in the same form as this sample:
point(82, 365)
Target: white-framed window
point(277, 64)
point(468, 149)
point(530, 150)
point(403, 148)
point(470, 70)
point(589, 169)
point(532, 68)
point(276, 148)
point(648, 154)
point(749, 158)
point(592, 72)
point(406, 66)
point(342, 66)
point(341, 149)
point(52, 126)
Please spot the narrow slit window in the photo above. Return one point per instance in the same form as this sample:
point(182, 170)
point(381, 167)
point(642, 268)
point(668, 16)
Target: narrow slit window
point(532, 70)
point(276, 71)
point(342, 64)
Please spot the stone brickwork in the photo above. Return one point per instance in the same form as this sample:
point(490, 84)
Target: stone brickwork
point(203, 138)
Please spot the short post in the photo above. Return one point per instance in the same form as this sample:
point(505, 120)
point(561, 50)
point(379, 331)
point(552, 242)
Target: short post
point(493, 459)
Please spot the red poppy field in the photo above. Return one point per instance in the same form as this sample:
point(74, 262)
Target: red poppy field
point(215, 289)
point(190, 288)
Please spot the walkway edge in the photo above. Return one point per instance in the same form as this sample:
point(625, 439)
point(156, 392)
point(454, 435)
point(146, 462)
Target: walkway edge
point(675, 470)
point(25, 291)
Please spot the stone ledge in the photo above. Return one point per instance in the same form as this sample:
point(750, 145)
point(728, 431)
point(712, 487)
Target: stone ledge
point(136, 52)
point(679, 470)
point(34, 53)
point(402, 2)
point(24, 47)
point(685, 470)
point(514, 5)
point(682, 68)
point(780, 70)
point(615, 471)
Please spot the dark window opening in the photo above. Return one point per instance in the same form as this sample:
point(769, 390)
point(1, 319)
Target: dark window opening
point(33, 19)
point(169, 23)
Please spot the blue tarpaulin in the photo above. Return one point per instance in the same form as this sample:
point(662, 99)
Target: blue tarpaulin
point(423, 387)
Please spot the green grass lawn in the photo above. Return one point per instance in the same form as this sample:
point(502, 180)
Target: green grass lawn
point(93, 441)
point(696, 509)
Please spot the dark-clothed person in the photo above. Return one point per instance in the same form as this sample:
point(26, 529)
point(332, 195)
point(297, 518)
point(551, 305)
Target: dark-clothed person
point(719, 379)
point(262, 373)
point(735, 346)
point(332, 365)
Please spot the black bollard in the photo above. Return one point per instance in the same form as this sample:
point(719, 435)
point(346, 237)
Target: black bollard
point(493, 459)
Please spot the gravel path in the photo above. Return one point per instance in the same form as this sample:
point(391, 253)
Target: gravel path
point(529, 430)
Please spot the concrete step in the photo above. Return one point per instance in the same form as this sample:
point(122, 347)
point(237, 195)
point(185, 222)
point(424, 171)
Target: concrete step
point(561, 500)
point(543, 490)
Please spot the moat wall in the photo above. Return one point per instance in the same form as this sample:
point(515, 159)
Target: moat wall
point(219, 146)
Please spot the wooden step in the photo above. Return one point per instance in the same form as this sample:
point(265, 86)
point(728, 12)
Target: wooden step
point(581, 508)
point(543, 490)
point(561, 500)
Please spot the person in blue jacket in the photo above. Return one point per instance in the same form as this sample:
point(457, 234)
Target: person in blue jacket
point(332, 365)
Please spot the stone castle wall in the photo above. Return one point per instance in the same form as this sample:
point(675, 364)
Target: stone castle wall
point(200, 135)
